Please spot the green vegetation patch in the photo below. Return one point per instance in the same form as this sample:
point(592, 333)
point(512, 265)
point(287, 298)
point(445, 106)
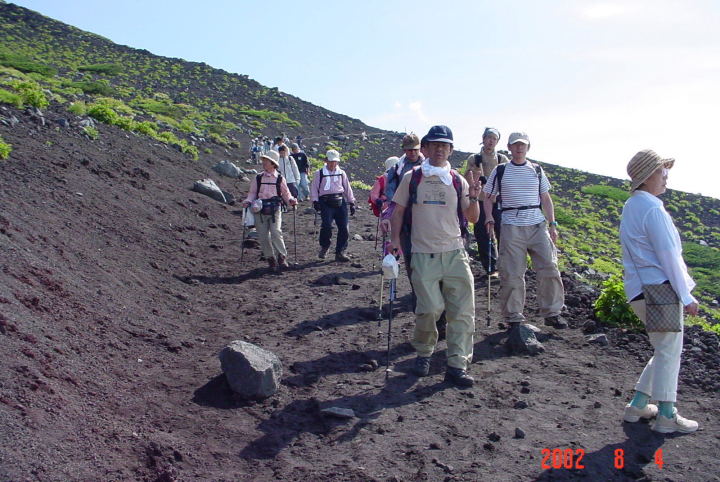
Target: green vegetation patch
point(279, 117)
point(360, 185)
point(25, 64)
point(5, 149)
point(612, 306)
point(107, 69)
point(91, 87)
point(606, 191)
point(7, 97)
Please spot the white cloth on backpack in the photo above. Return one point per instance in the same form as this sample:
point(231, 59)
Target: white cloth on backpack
point(390, 267)
point(442, 172)
point(332, 178)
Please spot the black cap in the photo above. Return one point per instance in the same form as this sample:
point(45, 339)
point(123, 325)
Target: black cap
point(439, 134)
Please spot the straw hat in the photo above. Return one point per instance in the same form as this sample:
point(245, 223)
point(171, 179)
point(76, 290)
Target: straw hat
point(273, 157)
point(642, 166)
point(332, 156)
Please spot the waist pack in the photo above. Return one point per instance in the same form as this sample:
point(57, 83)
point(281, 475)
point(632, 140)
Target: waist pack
point(332, 200)
point(270, 206)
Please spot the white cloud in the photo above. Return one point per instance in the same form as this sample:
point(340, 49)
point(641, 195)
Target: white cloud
point(601, 11)
point(402, 117)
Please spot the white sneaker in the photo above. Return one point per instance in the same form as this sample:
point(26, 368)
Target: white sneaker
point(674, 424)
point(633, 414)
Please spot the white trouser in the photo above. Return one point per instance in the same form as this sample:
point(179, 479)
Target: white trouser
point(659, 379)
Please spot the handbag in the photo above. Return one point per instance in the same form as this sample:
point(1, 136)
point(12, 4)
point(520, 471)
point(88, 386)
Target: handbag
point(248, 218)
point(663, 310)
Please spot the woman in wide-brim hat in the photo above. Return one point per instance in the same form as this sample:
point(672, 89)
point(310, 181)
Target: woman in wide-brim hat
point(270, 187)
point(652, 254)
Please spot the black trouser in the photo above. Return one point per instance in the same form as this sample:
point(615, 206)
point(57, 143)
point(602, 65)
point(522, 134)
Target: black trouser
point(483, 240)
point(329, 214)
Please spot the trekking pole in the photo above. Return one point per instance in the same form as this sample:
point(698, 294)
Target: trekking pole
point(377, 231)
point(242, 249)
point(490, 244)
point(295, 232)
point(382, 279)
point(391, 297)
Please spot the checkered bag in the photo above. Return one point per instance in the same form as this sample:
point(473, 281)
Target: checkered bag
point(663, 310)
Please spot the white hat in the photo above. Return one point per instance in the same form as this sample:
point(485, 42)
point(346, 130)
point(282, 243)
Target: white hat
point(519, 137)
point(272, 156)
point(332, 155)
point(390, 162)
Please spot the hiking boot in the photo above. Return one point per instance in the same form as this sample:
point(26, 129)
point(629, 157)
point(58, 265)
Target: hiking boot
point(422, 366)
point(674, 424)
point(459, 377)
point(633, 414)
point(323, 252)
point(557, 321)
point(272, 263)
point(341, 257)
point(282, 261)
point(494, 275)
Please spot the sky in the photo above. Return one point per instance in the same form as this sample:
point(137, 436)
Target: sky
point(591, 82)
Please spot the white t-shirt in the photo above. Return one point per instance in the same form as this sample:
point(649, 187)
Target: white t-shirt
point(519, 188)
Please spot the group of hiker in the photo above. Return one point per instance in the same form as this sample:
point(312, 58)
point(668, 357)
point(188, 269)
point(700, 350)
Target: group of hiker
point(424, 207)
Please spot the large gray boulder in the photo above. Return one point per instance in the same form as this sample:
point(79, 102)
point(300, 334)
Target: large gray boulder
point(252, 372)
point(227, 168)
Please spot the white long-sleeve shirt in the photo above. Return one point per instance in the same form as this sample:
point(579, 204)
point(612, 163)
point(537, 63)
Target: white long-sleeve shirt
point(651, 244)
point(289, 170)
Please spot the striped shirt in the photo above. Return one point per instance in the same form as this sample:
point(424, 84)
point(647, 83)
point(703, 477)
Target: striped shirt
point(519, 188)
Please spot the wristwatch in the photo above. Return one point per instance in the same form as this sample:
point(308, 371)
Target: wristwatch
point(553, 223)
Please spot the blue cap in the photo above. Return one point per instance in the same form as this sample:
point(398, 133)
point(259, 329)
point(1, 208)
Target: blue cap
point(440, 134)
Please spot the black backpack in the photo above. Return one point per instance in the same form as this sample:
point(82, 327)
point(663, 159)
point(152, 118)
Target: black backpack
point(277, 183)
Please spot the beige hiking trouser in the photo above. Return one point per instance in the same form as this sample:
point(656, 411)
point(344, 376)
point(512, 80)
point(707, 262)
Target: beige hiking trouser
point(456, 297)
point(270, 234)
point(517, 243)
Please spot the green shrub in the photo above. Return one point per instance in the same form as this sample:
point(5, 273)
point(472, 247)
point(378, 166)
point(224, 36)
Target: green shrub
point(5, 149)
point(702, 323)
point(607, 191)
point(360, 185)
point(78, 108)
point(25, 64)
point(91, 132)
point(31, 94)
point(108, 69)
point(146, 127)
point(612, 306)
point(697, 255)
point(564, 217)
point(7, 97)
point(103, 113)
point(91, 87)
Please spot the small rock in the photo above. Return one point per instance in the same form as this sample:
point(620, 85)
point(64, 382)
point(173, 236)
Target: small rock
point(599, 339)
point(597, 405)
point(524, 390)
point(521, 404)
point(434, 446)
point(357, 237)
point(338, 412)
point(494, 437)
point(356, 265)
point(589, 326)
point(519, 433)
point(488, 446)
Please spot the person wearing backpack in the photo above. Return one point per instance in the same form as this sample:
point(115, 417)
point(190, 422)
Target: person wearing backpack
point(481, 165)
point(378, 199)
point(411, 158)
point(525, 196)
point(432, 205)
point(289, 169)
point(301, 159)
point(267, 194)
point(332, 196)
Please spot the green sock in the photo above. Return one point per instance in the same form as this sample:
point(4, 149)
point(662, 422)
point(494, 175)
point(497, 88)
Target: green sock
point(640, 400)
point(666, 409)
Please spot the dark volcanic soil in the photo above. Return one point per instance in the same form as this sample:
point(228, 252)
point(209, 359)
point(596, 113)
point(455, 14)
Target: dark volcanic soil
point(119, 286)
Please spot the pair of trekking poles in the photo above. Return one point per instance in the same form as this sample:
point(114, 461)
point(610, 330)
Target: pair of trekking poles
point(242, 249)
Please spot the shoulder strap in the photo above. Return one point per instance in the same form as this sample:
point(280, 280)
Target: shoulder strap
point(457, 184)
point(258, 179)
point(415, 179)
point(499, 171)
point(277, 184)
point(478, 160)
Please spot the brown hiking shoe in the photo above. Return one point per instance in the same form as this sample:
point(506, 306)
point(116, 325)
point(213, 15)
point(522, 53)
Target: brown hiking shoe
point(341, 257)
point(282, 261)
point(323, 252)
point(556, 321)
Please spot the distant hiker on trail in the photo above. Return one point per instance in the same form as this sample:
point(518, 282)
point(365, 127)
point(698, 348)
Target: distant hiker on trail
point(303, 165)
point(481, 165)
point(432, 202)
point(277, 142)
point(298, 141)
point(332, 195)
point(378, 199)
point(525, 192)
point(270, 189)
point(289, 169)
point(652, 259)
